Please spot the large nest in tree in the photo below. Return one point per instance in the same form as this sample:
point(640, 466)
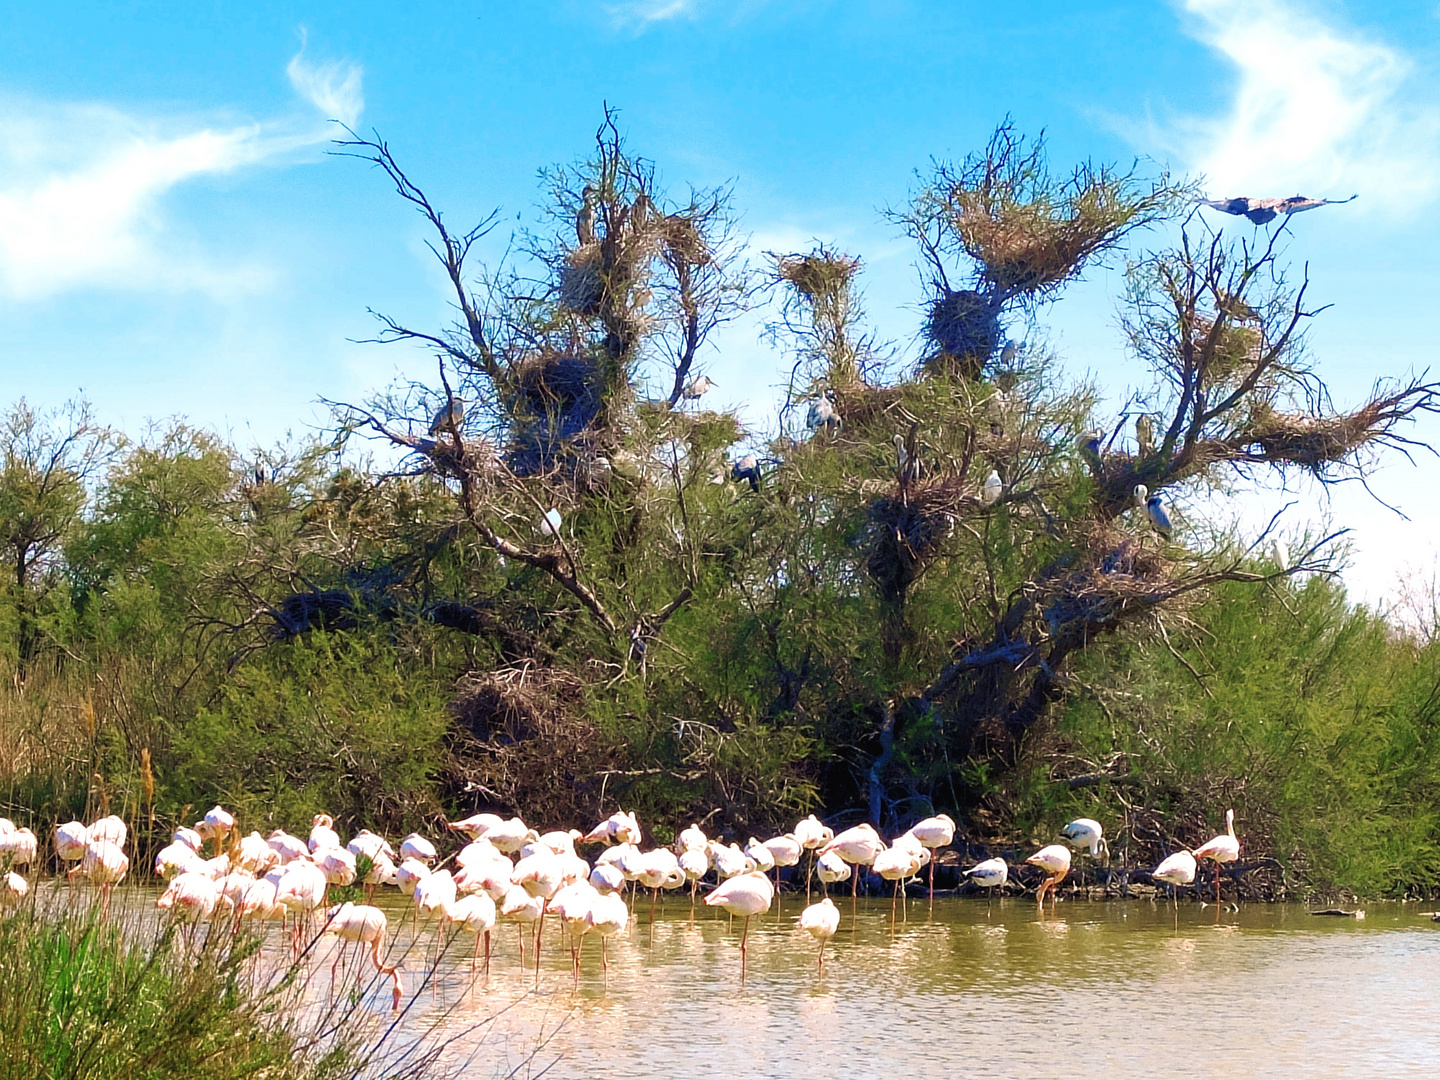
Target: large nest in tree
point(965, 327)
point(582, 280)
point(1124, 574)
point(520, 741)
point(1309, 441)
point(556, 399)
point(819, 274)
point(681, 236)
point(1028, 246)
point(1237, 348)
point(904, 530)
point(867, 409)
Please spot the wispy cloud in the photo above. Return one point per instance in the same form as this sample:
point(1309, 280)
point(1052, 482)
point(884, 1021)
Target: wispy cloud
point(639, 14)
point(333, 87)
point(1318, 108)
point(83, 187)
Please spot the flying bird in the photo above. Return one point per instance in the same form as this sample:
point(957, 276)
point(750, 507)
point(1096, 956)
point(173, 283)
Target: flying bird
point(1158, 517)
point(1264, 211)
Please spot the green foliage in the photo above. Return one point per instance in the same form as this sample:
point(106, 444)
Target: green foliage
point(1314, 722)
point(80, 999)
point(332, 724)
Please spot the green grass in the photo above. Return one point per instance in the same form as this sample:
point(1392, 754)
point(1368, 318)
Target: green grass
point(83, 998)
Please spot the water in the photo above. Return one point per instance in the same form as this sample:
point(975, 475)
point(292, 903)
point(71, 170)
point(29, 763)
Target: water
point(1114, 988)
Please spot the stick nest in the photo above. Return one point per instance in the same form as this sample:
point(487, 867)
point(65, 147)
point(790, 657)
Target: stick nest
point(521, 739)
point(819, 274)
point(964, 325)
point(555, 399)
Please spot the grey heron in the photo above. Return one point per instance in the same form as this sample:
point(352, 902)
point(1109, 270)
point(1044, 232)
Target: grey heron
point(1090, 444)
point(1142, 493)
point(1264, 211)
point(1158, 517)
point(452, 413)
point(1145, 435)
point(695, 389)
point(747, 468)
point(822, 412)
point(585, 218)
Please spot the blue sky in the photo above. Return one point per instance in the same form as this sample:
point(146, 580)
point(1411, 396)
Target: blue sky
point(174, 240)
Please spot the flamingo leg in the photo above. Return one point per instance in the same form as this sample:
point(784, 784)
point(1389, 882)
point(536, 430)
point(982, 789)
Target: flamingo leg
point(1217, 884)
point(822, 956)
point(932, 881)
point(744, 933)
point(605, 961)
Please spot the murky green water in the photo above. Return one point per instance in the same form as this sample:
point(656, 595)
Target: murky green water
point(1094, 989)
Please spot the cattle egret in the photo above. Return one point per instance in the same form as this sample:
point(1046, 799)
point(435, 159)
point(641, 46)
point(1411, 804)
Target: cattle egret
point(1224, 848)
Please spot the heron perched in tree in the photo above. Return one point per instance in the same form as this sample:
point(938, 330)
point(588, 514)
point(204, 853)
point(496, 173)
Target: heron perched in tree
point(1007, 354)
point(1264, 211)
point(1145, 435)
point(747, 468)
point(1158, 517)
point(695, 389)
point(1279, 554)
point(451, 414)
point(993, 488)
point(1090, 444)
point(1141, 494)
point(822, 413)
point(585, 217)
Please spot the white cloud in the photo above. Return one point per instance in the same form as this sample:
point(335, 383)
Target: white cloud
point(333, 88)
point(643, 13)
point(1317, 109)
point(82, 187)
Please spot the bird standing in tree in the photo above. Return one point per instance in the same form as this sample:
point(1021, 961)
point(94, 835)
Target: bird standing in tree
point(1158, 517)
point(695, 389)
point(585, 217)
point(822, 413)
point(1145, 435)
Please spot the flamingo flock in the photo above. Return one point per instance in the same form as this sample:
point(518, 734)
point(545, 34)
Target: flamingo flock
point(506, 871)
